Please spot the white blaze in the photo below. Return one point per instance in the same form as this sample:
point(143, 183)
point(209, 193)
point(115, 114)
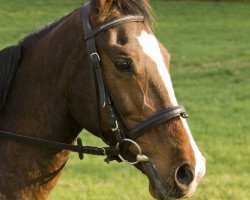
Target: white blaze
point(151, 48)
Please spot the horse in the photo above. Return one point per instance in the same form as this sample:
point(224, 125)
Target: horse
point(99, 68)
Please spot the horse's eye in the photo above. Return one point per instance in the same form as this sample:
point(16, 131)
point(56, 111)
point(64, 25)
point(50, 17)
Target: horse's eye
point(123, 65)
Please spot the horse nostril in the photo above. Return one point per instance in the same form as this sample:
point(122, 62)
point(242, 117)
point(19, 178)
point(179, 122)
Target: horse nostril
point(184, 175)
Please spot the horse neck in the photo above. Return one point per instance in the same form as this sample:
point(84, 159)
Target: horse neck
point(38, 106)
point(40, 91)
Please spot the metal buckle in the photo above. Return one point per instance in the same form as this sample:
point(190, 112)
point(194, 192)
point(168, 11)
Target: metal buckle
point(95, 54)
point(139, 158)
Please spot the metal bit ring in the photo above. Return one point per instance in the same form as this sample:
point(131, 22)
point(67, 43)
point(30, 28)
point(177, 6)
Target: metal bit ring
point(139, 158)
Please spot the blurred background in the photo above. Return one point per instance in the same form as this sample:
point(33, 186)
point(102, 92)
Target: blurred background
point(209, 42)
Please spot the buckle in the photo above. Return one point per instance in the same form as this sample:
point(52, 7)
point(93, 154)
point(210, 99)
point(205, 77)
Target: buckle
point(116, 126)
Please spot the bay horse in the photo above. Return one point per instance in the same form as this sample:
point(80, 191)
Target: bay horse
point(99, 68)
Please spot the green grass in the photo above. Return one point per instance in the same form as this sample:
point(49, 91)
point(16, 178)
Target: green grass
point(210, 47)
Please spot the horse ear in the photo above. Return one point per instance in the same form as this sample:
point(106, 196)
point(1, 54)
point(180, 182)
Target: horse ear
point(102, 4)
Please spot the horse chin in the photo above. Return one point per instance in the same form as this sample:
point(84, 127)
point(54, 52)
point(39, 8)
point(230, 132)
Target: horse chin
point(156, 188)
point(156, 193)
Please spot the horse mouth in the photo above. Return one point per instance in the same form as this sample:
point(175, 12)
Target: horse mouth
point(154, 192)
point(160, 193)
point(158, 189)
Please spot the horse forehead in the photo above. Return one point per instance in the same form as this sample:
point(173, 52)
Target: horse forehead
point(150, 45)
point(160, 73)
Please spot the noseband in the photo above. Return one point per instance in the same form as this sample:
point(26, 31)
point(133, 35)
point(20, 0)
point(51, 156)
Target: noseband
point(123, 136)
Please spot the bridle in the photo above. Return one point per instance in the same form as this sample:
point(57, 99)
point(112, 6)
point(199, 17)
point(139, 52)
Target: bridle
point(104, 100)
point(123, 135)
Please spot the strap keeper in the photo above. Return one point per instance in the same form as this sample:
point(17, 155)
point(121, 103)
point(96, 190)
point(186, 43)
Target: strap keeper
point(95, 55)
point(104, 151)
point(115, 127)
point(80, 149)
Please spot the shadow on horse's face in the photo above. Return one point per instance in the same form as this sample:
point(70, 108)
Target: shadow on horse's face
point(136, 68)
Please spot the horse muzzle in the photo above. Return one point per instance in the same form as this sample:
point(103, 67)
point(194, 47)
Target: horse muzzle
point(179, 187)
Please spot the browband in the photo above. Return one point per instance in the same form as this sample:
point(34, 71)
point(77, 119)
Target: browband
point(129, 18)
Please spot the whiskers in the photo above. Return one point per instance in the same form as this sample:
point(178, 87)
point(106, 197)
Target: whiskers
point(173, 190)
point(166, 190)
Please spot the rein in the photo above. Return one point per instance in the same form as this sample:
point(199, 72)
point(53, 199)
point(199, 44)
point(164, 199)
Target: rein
point(79, 148)
point(123, 135)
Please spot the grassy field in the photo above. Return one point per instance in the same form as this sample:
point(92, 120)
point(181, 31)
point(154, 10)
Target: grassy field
point(210, 47)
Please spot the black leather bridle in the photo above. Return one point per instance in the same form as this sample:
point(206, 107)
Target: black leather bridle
point(119, 128)
point(104, 100)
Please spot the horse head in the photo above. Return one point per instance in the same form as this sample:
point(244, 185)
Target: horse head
point(135, 67)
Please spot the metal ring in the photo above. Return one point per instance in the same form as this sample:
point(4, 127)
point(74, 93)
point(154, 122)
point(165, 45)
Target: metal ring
point(137, 146)
point(184, 115)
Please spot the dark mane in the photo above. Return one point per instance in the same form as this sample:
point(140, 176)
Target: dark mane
point(135, 7)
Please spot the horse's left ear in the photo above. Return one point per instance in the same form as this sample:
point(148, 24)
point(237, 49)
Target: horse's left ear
point(102, 4)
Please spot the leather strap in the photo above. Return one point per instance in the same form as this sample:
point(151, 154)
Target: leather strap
point(128, 18)
point(155, 179)
point(95, 69)
point(79, 148)
point(157, 119)
point(93, 55)
point(116, 109)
